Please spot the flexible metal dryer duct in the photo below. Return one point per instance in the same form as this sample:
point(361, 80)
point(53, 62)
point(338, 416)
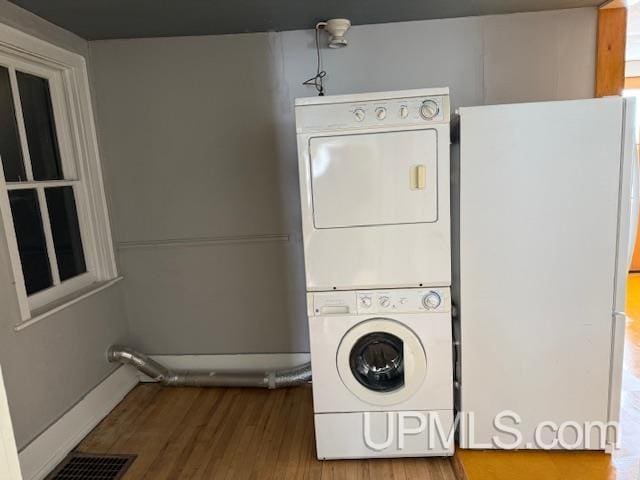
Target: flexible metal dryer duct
point(269, 379)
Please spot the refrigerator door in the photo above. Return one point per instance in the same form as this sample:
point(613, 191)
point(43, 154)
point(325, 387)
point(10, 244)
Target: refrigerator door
point(627, 227)
point(539, 205)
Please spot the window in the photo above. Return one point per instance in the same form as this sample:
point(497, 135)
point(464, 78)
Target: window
point(52, 199)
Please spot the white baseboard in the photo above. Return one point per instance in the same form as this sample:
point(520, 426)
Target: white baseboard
point(42, 455)
point(236, 362)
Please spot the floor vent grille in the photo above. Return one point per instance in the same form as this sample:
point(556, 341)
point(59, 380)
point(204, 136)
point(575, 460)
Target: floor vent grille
point(86, 466)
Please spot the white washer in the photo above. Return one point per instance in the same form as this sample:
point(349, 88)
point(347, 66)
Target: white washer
point(382, 359)
point(374, 185)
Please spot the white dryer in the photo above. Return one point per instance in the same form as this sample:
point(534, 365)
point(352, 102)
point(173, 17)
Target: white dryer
point(374, 185)
point(382, 372)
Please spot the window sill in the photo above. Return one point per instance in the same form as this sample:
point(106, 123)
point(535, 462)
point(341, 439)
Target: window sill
point(55, 307)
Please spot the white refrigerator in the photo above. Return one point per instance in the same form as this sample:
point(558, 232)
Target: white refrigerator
point(544, 201)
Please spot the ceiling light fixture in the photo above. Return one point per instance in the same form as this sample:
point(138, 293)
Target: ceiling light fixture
point(336, 28)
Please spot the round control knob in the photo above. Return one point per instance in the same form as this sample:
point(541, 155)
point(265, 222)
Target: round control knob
point(359, 114)
point(381, 113)
point(365, 302)
point(404, 111)
point(384, 302)
point(431, 300)
point(429, 109)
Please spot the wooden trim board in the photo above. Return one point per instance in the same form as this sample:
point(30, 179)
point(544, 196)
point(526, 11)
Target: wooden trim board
point(611, 44)
point(632, 82)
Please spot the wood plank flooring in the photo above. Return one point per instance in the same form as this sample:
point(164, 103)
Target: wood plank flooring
point(196, 433)
point(190, 433)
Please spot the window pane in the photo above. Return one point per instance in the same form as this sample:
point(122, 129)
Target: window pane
point(66, 231)
point(31, 242)
point(37, 111)
point(10, 150)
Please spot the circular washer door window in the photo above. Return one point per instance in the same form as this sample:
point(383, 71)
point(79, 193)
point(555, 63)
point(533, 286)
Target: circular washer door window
point(376, 361)
point(381, 361)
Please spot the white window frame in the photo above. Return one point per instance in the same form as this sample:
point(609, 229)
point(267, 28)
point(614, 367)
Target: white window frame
point(77, 141)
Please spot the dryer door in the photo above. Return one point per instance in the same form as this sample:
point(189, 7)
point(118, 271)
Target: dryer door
point(374, 179)
point(381, 361)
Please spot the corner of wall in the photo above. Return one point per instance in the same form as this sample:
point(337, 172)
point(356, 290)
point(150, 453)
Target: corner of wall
point(23, 20)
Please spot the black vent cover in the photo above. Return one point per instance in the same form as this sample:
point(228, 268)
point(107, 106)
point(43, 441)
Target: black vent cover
point(87, 466)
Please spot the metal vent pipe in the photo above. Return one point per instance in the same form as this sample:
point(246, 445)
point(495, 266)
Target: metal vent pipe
point(266, 379)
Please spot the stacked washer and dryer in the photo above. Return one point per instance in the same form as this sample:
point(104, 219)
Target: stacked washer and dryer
point(374, 185)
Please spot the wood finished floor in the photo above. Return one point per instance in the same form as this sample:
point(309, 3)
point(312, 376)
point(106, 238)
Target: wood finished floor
point(195, 433)
point(624, 464)
point(256, 434)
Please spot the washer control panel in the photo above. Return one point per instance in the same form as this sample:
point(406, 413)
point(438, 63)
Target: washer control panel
point(364, 302)
point(403, 301)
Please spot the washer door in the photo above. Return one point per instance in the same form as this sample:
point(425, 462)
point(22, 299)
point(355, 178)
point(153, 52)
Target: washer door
point(381, 361)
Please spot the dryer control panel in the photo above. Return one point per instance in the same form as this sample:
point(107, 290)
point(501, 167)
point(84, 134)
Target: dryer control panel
point(372, 112)
point(365, 302)
point(406, 111)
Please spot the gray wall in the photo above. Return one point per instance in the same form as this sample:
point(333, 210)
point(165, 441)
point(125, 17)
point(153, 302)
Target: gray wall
point(200, 140)
point(197, 136)
point(52, 364)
